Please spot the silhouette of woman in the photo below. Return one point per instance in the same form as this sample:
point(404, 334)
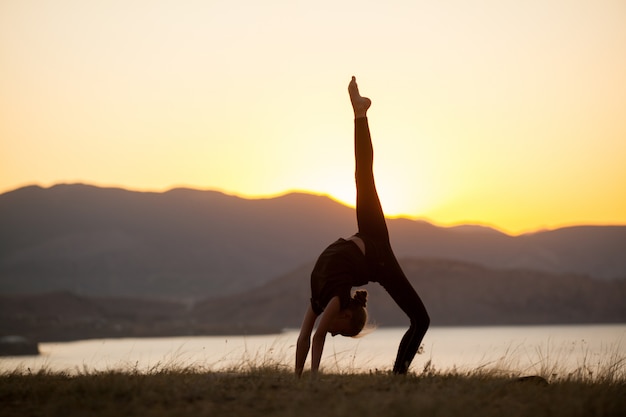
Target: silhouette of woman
point(364, 257)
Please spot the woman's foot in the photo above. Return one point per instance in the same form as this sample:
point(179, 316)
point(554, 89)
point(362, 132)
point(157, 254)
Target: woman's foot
point(359, 104)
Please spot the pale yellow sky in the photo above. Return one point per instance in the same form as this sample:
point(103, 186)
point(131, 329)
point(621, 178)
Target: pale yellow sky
point(506, 113)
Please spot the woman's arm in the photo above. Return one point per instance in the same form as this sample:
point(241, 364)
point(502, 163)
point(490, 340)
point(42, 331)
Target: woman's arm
point(304, 339)
point(328, 317)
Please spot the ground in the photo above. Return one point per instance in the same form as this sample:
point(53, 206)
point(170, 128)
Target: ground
point(277, 392)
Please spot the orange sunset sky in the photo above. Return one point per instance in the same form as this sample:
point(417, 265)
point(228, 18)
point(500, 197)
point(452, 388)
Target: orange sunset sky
point(506, 113)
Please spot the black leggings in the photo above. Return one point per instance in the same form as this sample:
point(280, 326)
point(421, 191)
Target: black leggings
point(373, 229)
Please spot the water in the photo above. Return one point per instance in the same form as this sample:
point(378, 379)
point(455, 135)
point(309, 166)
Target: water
point(542, 350)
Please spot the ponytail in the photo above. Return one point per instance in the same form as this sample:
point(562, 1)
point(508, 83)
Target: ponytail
point(359, 299)
point(359, 313)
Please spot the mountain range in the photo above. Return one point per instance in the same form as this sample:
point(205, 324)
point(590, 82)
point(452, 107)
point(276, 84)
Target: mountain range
point(78, 261)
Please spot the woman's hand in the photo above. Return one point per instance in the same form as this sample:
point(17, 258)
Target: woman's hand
point(328, 317)
point(304, 339)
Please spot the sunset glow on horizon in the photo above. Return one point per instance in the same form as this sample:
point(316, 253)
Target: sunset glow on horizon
point(502, 113)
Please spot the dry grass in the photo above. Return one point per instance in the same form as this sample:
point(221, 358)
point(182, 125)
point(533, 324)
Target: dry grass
point(261, 387)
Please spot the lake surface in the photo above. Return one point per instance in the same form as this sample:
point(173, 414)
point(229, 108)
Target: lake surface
point(542, 350)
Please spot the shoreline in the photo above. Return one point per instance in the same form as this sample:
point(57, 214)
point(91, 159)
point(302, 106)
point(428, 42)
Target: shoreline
point(140, 333)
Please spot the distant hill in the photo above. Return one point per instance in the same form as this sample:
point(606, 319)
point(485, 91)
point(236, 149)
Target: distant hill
point(455, 293)
point(190, 244)
point(63, 316)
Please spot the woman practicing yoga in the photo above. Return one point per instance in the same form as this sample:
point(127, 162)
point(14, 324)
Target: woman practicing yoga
point(353, 262)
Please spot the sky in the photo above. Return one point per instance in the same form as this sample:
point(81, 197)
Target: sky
point(504, 113)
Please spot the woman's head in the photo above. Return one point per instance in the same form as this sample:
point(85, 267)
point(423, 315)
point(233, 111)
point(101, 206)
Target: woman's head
point(352, 319)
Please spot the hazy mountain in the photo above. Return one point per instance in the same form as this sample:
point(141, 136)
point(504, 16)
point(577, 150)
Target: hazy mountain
point(194, 244)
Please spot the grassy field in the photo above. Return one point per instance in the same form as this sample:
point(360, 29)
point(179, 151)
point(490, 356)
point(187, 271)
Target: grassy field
point(272, 390)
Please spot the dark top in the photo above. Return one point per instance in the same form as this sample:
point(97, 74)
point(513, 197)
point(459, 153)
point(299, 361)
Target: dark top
point(340, 267)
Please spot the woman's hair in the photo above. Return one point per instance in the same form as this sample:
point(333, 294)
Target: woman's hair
point(359, 313)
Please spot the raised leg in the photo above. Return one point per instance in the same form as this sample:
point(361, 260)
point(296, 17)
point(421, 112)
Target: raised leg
point(369, 213)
